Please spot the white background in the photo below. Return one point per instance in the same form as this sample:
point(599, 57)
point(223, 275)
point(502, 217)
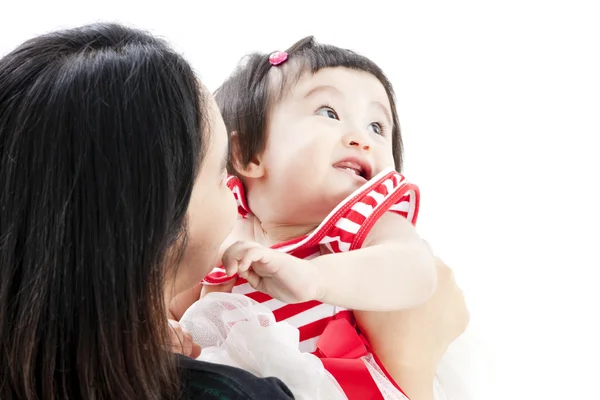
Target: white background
point(500, 108)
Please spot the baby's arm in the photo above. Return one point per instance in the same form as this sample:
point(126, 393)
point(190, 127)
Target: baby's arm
point(393, 270)
point(180, 303)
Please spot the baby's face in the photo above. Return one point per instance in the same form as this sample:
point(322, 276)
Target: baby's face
point(330, 134)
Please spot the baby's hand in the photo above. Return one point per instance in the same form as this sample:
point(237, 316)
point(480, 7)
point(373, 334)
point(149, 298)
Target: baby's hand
point(182, 341)
point(280, 275)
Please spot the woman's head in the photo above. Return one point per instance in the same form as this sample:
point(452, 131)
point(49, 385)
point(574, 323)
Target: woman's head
point(103, 132)
point(310, 131)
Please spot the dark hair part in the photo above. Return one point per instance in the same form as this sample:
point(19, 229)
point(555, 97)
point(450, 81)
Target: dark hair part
point(247, 95)
point(100, 143)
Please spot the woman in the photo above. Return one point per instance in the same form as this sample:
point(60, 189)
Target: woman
point(112, 202)
point(106, 138)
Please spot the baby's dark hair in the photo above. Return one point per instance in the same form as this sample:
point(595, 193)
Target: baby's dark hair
point(247, 95)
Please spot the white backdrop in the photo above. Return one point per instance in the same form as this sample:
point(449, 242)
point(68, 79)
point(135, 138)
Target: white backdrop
point(499, 105)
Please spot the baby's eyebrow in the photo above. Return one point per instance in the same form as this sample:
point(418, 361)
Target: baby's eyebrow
point(385, 111)
point(335, 91)
point(322, 88)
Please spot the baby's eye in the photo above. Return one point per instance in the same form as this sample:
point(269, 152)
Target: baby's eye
point(328, 112)
point(376, 128)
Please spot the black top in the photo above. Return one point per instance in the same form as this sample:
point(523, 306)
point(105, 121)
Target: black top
point(202, 380)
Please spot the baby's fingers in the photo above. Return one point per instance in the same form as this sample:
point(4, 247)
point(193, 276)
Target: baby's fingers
point(182, 341)
point(253, 278)
point(252, 255)
point(233, 255)
point(231, 267)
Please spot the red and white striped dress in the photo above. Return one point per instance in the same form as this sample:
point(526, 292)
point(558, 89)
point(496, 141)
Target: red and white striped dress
point(344, 229)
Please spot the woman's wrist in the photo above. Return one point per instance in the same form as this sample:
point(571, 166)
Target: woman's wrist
point(416, 382)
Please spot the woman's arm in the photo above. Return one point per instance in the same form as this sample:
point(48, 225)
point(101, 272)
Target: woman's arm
point(417, 384)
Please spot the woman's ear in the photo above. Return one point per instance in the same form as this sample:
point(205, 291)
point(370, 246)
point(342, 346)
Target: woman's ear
point(254, 169)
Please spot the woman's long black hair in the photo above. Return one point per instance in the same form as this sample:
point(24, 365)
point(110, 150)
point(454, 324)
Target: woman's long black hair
point(101, 137)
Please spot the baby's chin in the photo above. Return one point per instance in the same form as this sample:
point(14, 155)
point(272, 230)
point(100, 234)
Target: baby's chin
point(334, 197)
point(318, 198)
point(344, 188)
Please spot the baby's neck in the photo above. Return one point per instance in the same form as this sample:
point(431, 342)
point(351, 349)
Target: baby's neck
point(272, 233)
point(269, 223)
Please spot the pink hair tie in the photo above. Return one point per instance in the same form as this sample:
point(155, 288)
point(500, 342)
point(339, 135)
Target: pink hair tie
point(278, 57)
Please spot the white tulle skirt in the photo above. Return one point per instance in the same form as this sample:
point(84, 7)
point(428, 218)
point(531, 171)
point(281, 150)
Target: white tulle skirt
point(234, 330)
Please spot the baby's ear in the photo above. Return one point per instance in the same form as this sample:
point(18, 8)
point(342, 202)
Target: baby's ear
point(254, 169)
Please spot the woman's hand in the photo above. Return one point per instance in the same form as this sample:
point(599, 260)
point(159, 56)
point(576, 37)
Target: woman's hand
point(431, 327)
point(410, 343)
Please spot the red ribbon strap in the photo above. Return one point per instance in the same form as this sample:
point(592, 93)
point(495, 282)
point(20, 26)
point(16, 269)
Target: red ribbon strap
point(340, 348)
